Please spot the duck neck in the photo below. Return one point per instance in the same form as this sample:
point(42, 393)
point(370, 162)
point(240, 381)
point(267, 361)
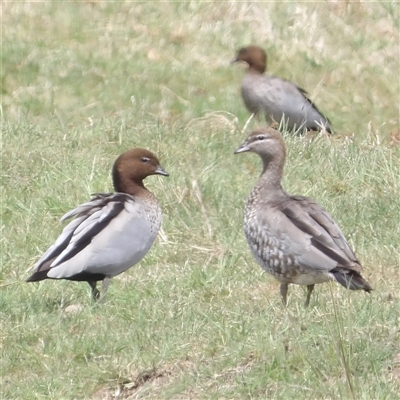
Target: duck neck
point(130, 186)
point(270, 179)
point(257, 68)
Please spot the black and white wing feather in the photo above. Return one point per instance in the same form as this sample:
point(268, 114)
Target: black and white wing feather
point(90, 218)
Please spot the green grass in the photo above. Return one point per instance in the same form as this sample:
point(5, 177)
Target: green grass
point(197, 318)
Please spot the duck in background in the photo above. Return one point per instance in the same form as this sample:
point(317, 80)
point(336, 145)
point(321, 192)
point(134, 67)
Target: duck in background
point(275, 97)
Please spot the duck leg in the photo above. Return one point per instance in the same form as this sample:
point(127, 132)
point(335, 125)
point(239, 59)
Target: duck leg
point(106, 282)
point(310, 289)
point(95, 291)
point(284, 289)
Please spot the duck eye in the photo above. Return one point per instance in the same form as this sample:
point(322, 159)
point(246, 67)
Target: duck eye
point(261, 137)
point(145, 159)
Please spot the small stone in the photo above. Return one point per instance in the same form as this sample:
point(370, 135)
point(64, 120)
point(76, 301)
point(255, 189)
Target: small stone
point(73, 309)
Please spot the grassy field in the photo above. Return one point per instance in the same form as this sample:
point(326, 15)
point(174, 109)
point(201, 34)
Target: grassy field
point(197, 318)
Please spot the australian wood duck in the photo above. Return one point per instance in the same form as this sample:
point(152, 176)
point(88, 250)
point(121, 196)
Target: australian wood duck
point(292, 237)
point(275, 97)
point(111, 232)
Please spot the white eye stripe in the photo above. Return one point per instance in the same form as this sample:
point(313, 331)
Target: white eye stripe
point(145, 159)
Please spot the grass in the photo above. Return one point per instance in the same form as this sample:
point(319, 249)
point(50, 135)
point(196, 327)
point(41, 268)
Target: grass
point(197, 318)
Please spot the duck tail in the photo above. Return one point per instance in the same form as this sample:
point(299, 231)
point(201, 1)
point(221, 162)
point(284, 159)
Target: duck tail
point(351, 279)
point(38, 276)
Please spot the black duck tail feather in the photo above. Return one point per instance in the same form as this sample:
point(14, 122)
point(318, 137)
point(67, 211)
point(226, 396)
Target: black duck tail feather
point(351, 280)
point(41, 273)
point(305, 94)
point(38, 276)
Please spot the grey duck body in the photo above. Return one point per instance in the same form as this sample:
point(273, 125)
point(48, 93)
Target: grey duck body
point(275, 97)
point(292, 237)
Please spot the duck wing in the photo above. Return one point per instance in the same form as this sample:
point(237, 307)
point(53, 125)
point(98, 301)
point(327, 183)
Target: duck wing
point(90, 219)
point(312, 104)
point(307, 222)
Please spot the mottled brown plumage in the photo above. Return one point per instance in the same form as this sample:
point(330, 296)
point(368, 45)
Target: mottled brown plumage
point(275, 97)
point(292, 237)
